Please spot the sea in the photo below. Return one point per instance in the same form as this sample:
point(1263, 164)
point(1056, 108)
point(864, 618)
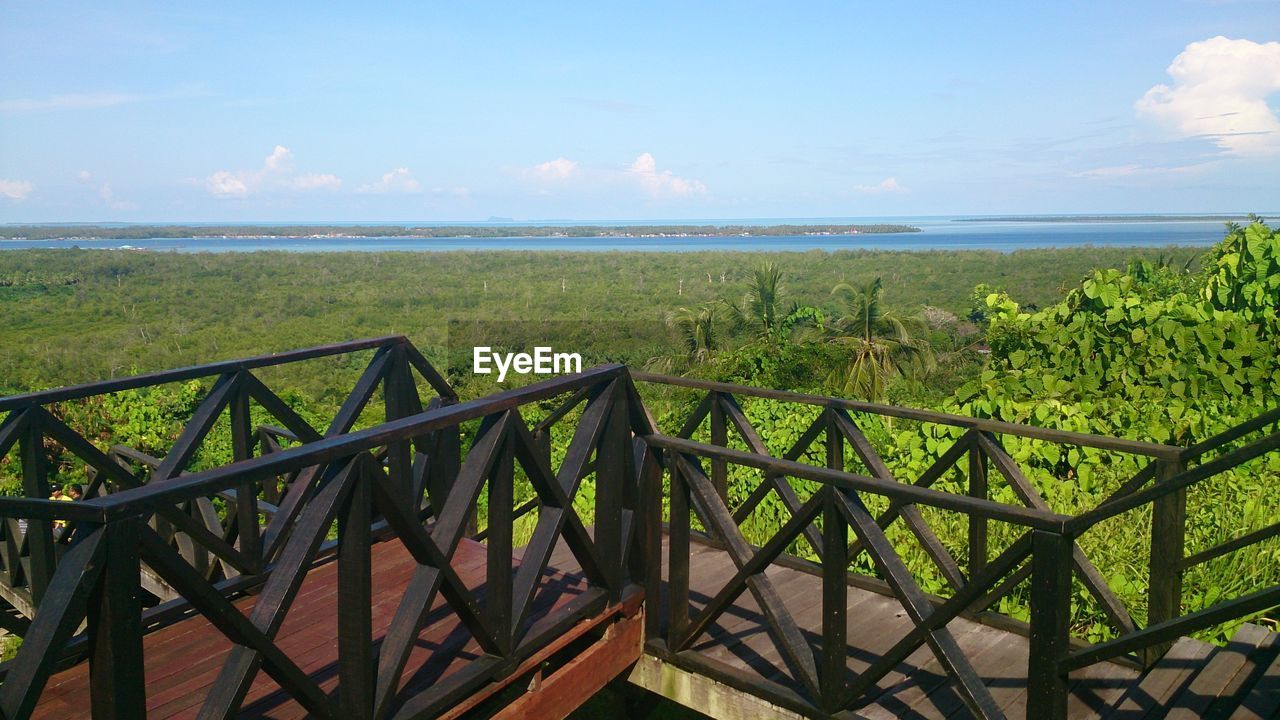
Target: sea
point(937, 233)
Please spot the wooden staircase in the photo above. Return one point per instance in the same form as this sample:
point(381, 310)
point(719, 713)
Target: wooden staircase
point(1239, 681)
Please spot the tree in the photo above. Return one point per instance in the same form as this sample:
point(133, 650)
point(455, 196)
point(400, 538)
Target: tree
point(761, 308)
point(880, 343)
point(765, 312)
point(698, 336)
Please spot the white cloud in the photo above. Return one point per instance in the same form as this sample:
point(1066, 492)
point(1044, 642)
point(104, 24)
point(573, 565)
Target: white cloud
point(1220, 88)
point(226, 184)
point(72, 101)
point(562, 173)
point(1116, 171)
point(105, 192)
point(280, 160)
point(16, 189)
point(460, 192)
point(399, 180)
point(109, 197)
point(559, 169)
point(318, 181)
point(665, 183)
point(277, 173)
point(887, 185)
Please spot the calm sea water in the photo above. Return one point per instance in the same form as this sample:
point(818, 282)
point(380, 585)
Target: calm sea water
point(937, 234)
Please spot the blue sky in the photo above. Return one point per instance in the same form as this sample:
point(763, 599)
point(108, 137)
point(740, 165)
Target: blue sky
point(601, 111)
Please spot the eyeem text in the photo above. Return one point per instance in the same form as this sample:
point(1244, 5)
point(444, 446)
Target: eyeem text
point(543, 361)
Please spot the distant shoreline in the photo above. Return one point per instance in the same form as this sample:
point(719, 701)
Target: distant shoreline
point(329, 232)
point(1241, 218)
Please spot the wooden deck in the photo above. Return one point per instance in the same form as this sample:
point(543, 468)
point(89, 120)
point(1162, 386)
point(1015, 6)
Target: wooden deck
point(183, 659)
point(731, 630)
point(1241, 680)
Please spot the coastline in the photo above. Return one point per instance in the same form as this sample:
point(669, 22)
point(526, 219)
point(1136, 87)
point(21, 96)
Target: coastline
point(33, 232)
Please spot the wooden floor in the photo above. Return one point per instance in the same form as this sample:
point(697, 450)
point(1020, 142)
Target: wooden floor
point(1186, 684)
point(183, 660)
point(1241, 680)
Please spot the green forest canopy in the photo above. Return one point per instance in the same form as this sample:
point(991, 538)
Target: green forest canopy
point(1137, 344)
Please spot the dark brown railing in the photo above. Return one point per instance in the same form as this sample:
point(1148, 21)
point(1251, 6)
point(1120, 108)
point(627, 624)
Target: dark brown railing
point(1045, 553)
point(153, 543)
point(403, 480)
point(221, 547)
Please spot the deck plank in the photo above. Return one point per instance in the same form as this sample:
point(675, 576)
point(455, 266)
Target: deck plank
point(183, 660)
point(918, 687)
point(1216, 676)
point(1263, 698)
point(1163, 682)
point(1256, 662)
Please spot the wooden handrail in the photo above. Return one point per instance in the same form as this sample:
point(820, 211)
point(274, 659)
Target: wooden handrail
point(1055, 557)
point(104, 568)
point(1017, 515)
point(1234, 433)
point(44, 397)
point(1170, 630)
point(1180, 481)
point(345, 469)
point(1066, 437)
point(144, 500)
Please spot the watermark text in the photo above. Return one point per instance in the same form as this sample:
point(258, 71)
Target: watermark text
point(543, 361)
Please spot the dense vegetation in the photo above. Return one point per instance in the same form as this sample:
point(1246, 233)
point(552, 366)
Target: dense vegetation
point(1156, 352)
point(69, 316)
point(140, 232)
point(1146, 345)
point(1152, 354)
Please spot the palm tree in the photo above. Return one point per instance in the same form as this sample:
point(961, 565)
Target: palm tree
point(761, 306)
point(880, 343)
point(764, 310)
point(699, 338)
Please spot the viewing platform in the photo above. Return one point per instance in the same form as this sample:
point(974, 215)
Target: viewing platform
point(513, 555)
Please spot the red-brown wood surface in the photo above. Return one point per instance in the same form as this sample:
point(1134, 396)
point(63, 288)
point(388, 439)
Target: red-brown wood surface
point(183, 660)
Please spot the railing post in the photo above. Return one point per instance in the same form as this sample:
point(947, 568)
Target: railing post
point(719, 437)
point(498, 550)
point(1050, 625)
point(834, 445)
point(35, 484)
point(247, 524)
point(542, 439)
point(678, 550)
point(978, 488)
point(356, 661)
point(400, 399)
point(117, 679)
point(1168, 538)
point(442, 472)
point(835, 541)
point(613, 470)
point(650, 518)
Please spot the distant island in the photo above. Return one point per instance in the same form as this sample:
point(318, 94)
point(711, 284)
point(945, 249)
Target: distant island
point(1240, 218)
point(144, 232)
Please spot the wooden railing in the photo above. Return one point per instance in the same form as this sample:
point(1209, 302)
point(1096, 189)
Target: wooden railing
point(153, 542)
point(1045, 552)
point(221, 546)
point(403, 480)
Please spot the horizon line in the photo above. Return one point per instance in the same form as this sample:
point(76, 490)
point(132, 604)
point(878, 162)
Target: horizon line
point(553, 222)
